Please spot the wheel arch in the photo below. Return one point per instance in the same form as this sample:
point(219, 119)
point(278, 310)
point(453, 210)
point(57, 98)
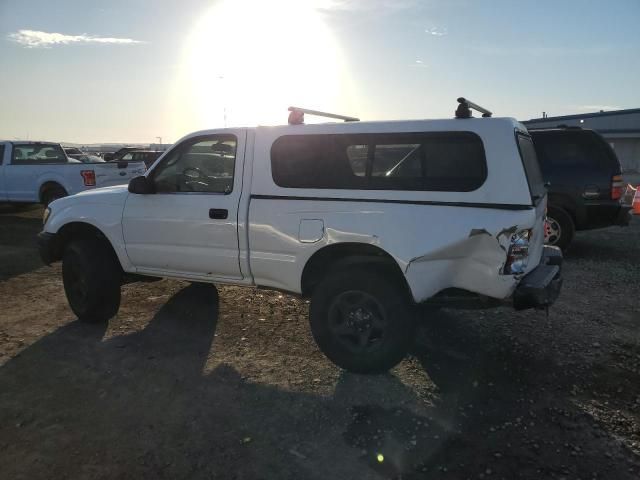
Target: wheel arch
point(343, 255)
point(76, 230)
point(48, 185)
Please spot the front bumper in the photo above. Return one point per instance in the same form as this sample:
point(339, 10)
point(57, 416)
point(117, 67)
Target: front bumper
point(48, 247)
point(541, 286)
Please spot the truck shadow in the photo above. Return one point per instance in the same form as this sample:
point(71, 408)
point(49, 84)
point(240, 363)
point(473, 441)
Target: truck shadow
point(499, 410)
point(583, 249)
point(18, 248)
point(139, 405)
point(608, 244)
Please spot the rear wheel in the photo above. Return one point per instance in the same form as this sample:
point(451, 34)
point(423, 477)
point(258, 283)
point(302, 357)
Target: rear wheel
point(52, 193)
point(559, 228)
point(361, 320)
point(92, 278)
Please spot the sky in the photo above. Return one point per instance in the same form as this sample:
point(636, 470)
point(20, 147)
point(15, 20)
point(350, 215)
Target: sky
point(90, 71)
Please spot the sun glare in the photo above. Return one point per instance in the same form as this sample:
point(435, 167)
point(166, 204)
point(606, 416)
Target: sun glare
point(246, 61)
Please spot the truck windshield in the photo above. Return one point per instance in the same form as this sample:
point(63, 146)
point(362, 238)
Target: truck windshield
point(30, 153)
point(531, 167)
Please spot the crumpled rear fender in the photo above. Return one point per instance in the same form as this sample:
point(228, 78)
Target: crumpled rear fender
point(474, 263)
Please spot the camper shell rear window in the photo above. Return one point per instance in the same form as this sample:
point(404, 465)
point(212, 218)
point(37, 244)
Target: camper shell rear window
point(531, 167)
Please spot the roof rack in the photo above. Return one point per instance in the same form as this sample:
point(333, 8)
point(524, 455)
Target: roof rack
point(464, 109)
point(296, 117)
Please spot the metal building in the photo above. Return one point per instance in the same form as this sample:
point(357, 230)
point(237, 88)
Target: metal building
point(621, 128)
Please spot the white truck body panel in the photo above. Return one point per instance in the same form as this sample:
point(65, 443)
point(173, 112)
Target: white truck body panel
point(433, 249)
point(101, 208)
point(439, 239)
point(453, 254)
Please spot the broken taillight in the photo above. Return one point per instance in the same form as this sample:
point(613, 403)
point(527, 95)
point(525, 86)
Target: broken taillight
point(89, 177)
point(617, 187)
point(518, 254)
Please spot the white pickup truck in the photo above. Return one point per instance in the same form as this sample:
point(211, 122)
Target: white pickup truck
point(40, 172)
point(368, 219)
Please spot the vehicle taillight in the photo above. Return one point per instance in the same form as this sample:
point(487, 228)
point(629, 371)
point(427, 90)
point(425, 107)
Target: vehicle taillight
point(89, 177)
point(518, 254)
point(617, 187)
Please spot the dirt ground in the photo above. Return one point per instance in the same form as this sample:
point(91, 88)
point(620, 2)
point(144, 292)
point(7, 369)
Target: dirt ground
point(186, 383)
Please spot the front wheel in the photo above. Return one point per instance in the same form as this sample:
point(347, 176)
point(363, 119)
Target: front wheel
point(361, 320)
point(92, 279)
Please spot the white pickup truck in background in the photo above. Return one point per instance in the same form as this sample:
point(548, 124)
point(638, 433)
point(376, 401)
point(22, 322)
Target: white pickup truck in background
point(40, 172)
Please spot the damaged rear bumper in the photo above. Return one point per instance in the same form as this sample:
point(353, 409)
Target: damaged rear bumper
point(541, 286)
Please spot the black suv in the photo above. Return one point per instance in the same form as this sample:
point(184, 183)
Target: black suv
point(584, 182)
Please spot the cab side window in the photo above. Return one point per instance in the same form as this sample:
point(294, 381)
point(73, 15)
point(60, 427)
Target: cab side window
point(203, 165)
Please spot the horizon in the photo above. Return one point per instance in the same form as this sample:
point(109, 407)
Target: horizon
point(124, 143)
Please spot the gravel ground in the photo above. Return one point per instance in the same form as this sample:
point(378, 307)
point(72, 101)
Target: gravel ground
point(190, 382)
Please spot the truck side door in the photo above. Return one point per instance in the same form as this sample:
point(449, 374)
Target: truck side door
point(189, 226)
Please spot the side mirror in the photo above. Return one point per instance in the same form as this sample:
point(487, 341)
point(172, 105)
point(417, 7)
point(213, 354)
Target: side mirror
point(141, 185)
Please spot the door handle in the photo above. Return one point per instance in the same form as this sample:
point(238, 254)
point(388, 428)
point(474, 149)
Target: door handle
point(218, 213)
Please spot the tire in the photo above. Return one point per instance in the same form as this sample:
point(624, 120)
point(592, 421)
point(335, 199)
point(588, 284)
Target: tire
point(92, 277)
point(361, 320)
point(559, 228)
point(52, 193)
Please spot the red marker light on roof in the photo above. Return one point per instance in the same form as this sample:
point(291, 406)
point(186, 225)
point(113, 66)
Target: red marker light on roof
point(296, 117)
